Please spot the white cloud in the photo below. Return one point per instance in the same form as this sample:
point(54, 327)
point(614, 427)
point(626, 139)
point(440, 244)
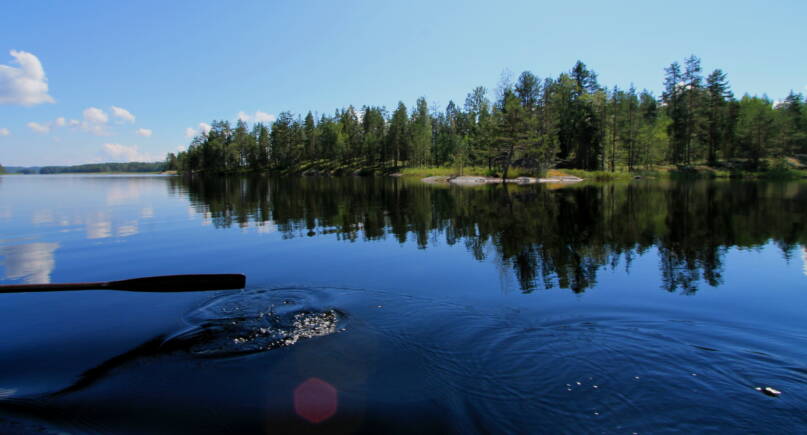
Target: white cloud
point(96, 129)
point(39, 128)
point(46, 127)
point(25, 85)
point(181, 148)
point(145, 132)
point(73, 122)
point(95, 121)
point(122, 153)
point(204, 128)
point(264, 117)
point(4, 132)
point(123, 114)
point(94, 114)
point(257, 117)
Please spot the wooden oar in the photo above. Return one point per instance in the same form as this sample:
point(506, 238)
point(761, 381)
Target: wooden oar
point(166, 283)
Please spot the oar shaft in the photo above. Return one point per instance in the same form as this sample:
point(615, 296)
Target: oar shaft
point(167, 283)
point(19, 288)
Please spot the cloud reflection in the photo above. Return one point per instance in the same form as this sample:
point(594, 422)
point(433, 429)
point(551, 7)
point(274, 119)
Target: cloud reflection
point(100, 229)
point(128, 229)
point(804, 258)
point(42, 217)
point(32, 262)
point(123, 193)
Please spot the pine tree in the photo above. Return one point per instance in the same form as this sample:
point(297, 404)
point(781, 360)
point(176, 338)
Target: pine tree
point(373, 131)
point(675, 107)
point(397, 135)
point(477, 108)
point(310, 136)
point(755, 128)
point(516, 132)
point(263, 144)
point(692, 88)
point(421, 133)
point(718, 95)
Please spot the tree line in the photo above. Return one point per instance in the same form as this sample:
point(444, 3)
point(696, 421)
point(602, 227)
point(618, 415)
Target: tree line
point(105, 167)
point(568, 121)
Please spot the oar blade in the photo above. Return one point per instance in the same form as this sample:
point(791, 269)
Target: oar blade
point(181, 283)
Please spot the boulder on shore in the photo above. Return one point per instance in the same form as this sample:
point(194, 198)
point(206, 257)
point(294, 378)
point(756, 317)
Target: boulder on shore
point(467, 180)
point(435, 179)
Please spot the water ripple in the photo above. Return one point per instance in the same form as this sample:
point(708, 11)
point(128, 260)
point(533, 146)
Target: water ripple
point(257, 321)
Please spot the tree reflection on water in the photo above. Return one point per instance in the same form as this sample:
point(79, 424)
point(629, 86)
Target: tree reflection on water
point(549, 237)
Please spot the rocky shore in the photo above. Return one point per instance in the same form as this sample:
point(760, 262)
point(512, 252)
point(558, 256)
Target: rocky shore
point(479, 180)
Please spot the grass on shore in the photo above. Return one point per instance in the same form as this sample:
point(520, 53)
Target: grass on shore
point(775, 172)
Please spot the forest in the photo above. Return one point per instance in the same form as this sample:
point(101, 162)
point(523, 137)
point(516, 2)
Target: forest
point(568, 121)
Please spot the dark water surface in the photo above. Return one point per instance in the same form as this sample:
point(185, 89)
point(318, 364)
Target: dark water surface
point(386, 305)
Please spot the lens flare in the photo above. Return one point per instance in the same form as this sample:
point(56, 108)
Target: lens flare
point(315, 400)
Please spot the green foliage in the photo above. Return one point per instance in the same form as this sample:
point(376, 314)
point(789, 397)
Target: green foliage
point(569, 122)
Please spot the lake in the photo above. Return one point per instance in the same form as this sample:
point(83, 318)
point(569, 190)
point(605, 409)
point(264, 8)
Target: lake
point(384, 304)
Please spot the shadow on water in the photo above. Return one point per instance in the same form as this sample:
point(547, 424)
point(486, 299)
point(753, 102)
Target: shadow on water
point(550, 238)
point(403, 364)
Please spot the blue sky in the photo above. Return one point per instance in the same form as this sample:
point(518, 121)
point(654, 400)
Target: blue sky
point(173, 65)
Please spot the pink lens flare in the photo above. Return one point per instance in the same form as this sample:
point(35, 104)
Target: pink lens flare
point(315, 400)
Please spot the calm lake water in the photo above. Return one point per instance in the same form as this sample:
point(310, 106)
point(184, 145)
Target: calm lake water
point(388, 305)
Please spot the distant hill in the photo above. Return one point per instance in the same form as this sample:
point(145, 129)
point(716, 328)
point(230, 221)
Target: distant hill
point(100, 167)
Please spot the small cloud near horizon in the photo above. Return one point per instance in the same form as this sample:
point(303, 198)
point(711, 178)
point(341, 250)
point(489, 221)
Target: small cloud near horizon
point(4, 132)
point(204, 128)
point(257, 117)
point(122, 153)
point(145, 132)
point(39, 128)
point(25, 85)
